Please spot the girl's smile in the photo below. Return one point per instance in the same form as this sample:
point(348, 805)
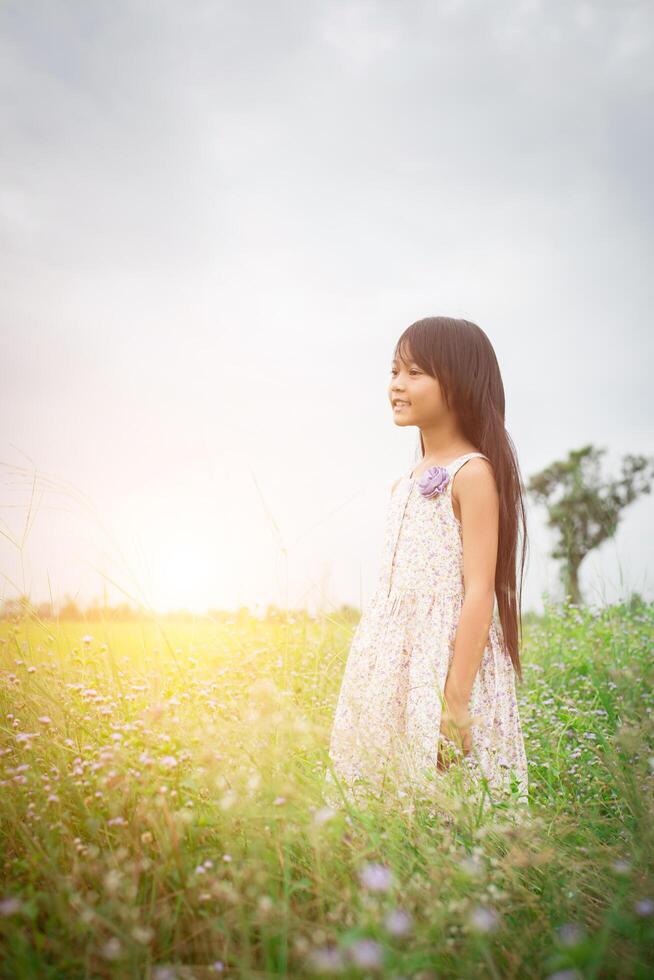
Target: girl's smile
point(411, 388)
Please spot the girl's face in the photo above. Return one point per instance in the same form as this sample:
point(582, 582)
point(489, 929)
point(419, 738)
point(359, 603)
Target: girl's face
point(418, 396)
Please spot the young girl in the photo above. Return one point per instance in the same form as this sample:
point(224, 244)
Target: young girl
point(430, 676)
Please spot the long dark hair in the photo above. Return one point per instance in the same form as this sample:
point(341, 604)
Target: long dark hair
point(459, 354)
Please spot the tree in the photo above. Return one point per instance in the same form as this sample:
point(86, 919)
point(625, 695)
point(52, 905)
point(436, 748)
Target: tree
point(587, 510)
point(69, 609)
point(16, 608)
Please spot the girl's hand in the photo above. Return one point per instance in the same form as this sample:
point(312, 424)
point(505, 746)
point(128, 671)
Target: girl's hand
point(455, 737)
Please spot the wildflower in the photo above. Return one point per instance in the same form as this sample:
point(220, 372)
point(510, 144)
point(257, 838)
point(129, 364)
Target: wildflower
point(112, 881)
point(279, 800)
point(324, 814)
point(327, 959)
point(112, 949)
point(164, 973)
point(398, 922)
point(142, 934)
point(570, 933)
point(146, 837)
point(9, 906)
point(483, 919)
point(367, 954)
point(644, 907)
point(169, 761)
point(87, 639)
point(472, 864)
point(26, 736)
point(621, 867)
point(44, 720)
point(253, 781)
point(228, 799)
point(376, 877)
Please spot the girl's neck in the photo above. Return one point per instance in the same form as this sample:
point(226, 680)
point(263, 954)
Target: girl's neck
point(439, 449)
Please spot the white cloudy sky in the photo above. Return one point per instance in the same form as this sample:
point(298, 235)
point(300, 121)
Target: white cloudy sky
point(216, 218)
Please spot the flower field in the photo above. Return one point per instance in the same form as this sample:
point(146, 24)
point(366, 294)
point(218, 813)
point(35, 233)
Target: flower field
point(162, 811)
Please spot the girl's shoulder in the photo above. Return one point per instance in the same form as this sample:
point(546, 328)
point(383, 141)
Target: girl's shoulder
point(477, 469)
point(475, 484)
point(476, 476)
point(477, 460)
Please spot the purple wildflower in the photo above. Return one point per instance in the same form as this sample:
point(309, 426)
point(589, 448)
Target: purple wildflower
point(376, 877)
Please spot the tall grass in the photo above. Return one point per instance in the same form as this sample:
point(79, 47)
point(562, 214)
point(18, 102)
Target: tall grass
point(162, 812)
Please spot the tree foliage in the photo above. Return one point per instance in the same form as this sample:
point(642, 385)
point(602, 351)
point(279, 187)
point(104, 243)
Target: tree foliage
point(583, 507)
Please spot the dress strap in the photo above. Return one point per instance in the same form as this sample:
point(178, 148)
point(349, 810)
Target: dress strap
point(451, 467)
point(456, 464)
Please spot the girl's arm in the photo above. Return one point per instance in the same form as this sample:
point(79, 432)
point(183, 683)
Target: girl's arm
point(480, 513)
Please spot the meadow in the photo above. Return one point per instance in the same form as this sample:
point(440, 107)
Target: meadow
point(162, 813)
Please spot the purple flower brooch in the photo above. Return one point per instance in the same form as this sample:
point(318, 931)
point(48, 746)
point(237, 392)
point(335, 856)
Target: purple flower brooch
point(433, 481)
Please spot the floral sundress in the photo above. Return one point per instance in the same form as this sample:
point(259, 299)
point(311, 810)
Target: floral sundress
point(388, 708)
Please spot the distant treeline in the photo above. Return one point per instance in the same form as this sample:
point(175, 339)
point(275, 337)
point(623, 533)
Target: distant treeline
point(97, 611)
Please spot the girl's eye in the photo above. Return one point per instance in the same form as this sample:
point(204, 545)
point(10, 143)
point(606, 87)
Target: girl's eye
point(393, 371)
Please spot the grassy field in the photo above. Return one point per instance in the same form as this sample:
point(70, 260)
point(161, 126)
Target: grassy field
point(162, 813)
